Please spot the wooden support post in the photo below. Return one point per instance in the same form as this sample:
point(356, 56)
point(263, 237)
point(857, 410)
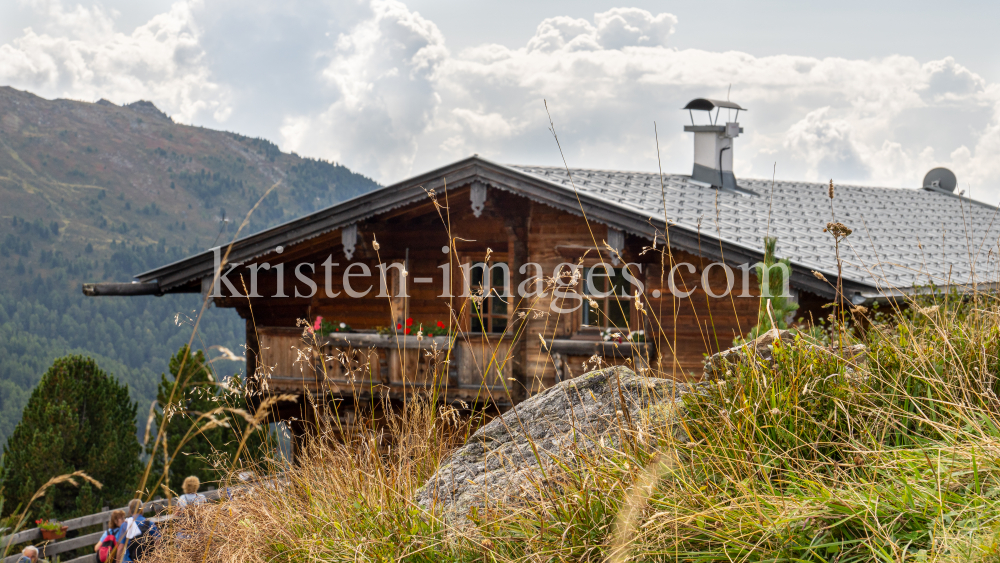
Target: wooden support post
point(517, 253)
point(252, 352)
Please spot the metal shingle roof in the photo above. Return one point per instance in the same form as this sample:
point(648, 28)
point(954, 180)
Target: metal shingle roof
point(902, 237)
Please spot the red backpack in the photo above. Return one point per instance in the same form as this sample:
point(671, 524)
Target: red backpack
point(108, 546)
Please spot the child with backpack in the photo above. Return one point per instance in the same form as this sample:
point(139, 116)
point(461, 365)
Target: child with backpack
point(191, 496)
point(137, 535)
point(105, 547)
point(185, 515)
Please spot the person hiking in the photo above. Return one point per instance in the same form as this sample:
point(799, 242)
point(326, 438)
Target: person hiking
point(185, 522)
point(191, 496)
point(105, 547)
point(137, 534)
point(29, 555)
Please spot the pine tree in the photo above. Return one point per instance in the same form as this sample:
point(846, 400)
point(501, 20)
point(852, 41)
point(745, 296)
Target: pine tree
point(78, 418)
point(207, 450)
point(781, 306)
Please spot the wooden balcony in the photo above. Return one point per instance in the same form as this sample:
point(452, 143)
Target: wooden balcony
point(474, 368)
point(471, 368)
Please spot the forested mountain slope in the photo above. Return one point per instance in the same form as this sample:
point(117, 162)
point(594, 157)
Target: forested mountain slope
point(100, 192)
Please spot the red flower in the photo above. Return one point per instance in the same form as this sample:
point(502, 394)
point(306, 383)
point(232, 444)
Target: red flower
point(399, 326)
point(318, 324)
point(440, 324)
point(407, 331)
point(409, 322)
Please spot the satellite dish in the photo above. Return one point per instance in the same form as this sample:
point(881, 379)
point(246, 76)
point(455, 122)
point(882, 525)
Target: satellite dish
point(942, 179)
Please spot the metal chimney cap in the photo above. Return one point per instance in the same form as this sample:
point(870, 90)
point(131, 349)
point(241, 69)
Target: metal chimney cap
point(706, 104)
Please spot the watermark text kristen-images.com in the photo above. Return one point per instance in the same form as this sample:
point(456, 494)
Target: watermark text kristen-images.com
point(565, 279)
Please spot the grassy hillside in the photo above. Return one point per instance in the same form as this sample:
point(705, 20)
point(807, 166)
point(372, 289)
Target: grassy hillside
point(888, 456)
point(99, 192)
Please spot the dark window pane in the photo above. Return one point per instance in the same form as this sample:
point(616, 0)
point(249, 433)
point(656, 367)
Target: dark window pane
point(480, 310)
point(599, 279)
point(498, 279)
point(620, 285)
point(499, 324)
point(591, 316)
point(618, 311)
point(498, 306)
point(476, 325)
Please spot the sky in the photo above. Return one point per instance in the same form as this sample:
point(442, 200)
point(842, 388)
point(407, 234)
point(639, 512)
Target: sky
point(858, 92)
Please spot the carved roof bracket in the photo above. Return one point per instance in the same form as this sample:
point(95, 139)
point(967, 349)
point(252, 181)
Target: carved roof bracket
point(477, 194)
point(349, 237)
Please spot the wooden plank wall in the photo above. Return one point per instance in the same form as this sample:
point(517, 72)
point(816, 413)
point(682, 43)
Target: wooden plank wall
point(687, 328)
point(691, 327)
point(552, 235)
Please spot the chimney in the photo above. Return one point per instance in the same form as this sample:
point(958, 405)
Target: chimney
point(713, 143)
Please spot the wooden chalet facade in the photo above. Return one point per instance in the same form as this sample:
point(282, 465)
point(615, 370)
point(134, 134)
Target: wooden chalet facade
point(438, 225)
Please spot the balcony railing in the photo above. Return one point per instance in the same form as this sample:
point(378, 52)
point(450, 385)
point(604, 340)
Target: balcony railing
point(476, 369)
point(478, 366)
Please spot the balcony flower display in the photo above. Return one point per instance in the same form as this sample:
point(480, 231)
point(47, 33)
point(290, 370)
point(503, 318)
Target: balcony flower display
point(325, 327)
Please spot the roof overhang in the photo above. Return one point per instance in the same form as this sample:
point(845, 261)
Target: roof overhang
point(187, 275)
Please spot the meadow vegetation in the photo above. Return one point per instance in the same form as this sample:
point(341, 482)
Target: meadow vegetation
point(891, 455)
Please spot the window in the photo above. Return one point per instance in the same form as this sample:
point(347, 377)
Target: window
point(491, 315)
point(612, 293)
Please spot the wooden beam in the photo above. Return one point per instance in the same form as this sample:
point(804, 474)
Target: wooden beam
point(599, 347)
point(121, 289)
point(517, 255)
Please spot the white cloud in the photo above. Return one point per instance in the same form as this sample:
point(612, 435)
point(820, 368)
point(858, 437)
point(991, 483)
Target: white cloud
point(622, 27)
point(825, 144)
point(614, 29)
point(382, 72)
point(371, 84)
point(874, 121)
point(79, 55)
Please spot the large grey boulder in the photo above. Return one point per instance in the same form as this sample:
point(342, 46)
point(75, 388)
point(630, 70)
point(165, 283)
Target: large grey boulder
point(761, 351)
point(498, 464)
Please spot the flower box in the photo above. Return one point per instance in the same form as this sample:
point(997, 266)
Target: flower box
point(59, 534)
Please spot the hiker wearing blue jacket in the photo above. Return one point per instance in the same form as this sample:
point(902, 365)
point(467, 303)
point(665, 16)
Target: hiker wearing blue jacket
point(137, 534)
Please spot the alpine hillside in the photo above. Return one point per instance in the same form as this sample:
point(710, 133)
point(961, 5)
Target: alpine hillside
point(99, 192)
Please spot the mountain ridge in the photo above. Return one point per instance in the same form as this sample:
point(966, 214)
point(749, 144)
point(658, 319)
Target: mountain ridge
point(94, 192)
point(108, 173)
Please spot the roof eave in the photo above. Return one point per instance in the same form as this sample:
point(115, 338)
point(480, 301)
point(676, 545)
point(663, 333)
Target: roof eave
point(193, 268)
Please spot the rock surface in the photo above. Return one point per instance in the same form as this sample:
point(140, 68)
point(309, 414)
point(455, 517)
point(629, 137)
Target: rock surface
point(498, 463)
point(760, 350)
point(147, 108)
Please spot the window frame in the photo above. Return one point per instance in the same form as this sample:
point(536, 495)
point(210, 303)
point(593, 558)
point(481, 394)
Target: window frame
point(497, 323)
point(620, 296)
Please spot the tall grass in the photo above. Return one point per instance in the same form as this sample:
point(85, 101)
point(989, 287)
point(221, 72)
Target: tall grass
point(893, 455)
point(888, 454)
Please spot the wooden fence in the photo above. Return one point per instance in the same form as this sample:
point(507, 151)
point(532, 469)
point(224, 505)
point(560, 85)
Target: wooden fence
point(158, 507)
